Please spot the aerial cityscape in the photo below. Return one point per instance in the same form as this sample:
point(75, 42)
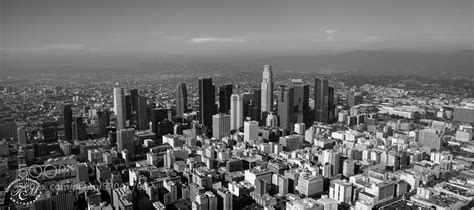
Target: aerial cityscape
point(122, 105)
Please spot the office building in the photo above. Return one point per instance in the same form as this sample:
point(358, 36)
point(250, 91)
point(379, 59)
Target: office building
point(321, 100)
point(220, 126)
point(119, 108)
point(103, 119)
point(431, 138)
point(333, 158)
point(267, 89)
point(67, 115)
point(142, 113)
point(157, 116)
point(286, 109)
point(128, 109)
point(272, 120)
point(78, 129)
point(207, 99)
point(353, 100)
point(301, 104)
point(341, 191)
point(126, 140)
point(225, 92)
point(181, 99)
point(250, 130)
point(255, 108)
point(236, 111)
point(310, 185)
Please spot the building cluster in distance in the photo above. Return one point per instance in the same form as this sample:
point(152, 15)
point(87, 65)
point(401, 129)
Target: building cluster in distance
point(294, 146)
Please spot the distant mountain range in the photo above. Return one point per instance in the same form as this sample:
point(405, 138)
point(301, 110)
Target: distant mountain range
point(382, 62)
point(378, 62)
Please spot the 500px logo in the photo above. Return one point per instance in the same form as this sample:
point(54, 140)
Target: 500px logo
point(44, 171)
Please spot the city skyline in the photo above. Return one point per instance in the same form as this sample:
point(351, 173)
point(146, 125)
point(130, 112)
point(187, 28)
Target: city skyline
point(236, 104)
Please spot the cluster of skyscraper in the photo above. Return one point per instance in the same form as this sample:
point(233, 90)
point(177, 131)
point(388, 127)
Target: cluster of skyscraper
point(292, 105)
point(130, 109)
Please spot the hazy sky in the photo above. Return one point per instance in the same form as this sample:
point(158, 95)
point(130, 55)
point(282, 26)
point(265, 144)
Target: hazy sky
point(231, 27)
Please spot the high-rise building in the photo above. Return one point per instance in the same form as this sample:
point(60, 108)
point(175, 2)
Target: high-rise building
point(331, 105)
point(321, 100)
point(220, 125)
point(119, 108)
point(22, 136)
point(142, 121)
point(225, 92)
point(126, 140)
point(207, 99)
point(348, 167)
point(158, 115)
point(67, 115)
point(103, 119)
point(250, 130)
point(286, 109)
point(333, 158)
point(310, 185)
point(78, 129)
point(256, 108)
point(341, 191)
point(181, 99)
point(431, 138)
point(128, 108)
point(301, 104)
point(247, 99)
point(236, 112)
point(134, 100)
point(267, 89)
point(224, 199)
point(63, 200)
point(353, 100)
point(272, 120)
point(82, 172)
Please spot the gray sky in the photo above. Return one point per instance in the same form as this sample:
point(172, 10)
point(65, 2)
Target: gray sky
point(231, 27)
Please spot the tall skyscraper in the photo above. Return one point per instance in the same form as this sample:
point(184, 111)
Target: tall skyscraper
point(128, 108)
point(250, 130)
point(142, 121)
point(126, 140)
point(78, 129)
point(321, 100)
point(267, 89)
point(158, 115)
point(225, 92)
point(220, 125)
point(247, 99)
point(134, 106)
point(103, 119)
point(119, 108)
point(67, 115)
point(301, 104)
point(236, 112)
point(256, 107)
point(181, 99)
point(207, 98)
point(331, 105)
point(134, 99)
point(286, 109)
